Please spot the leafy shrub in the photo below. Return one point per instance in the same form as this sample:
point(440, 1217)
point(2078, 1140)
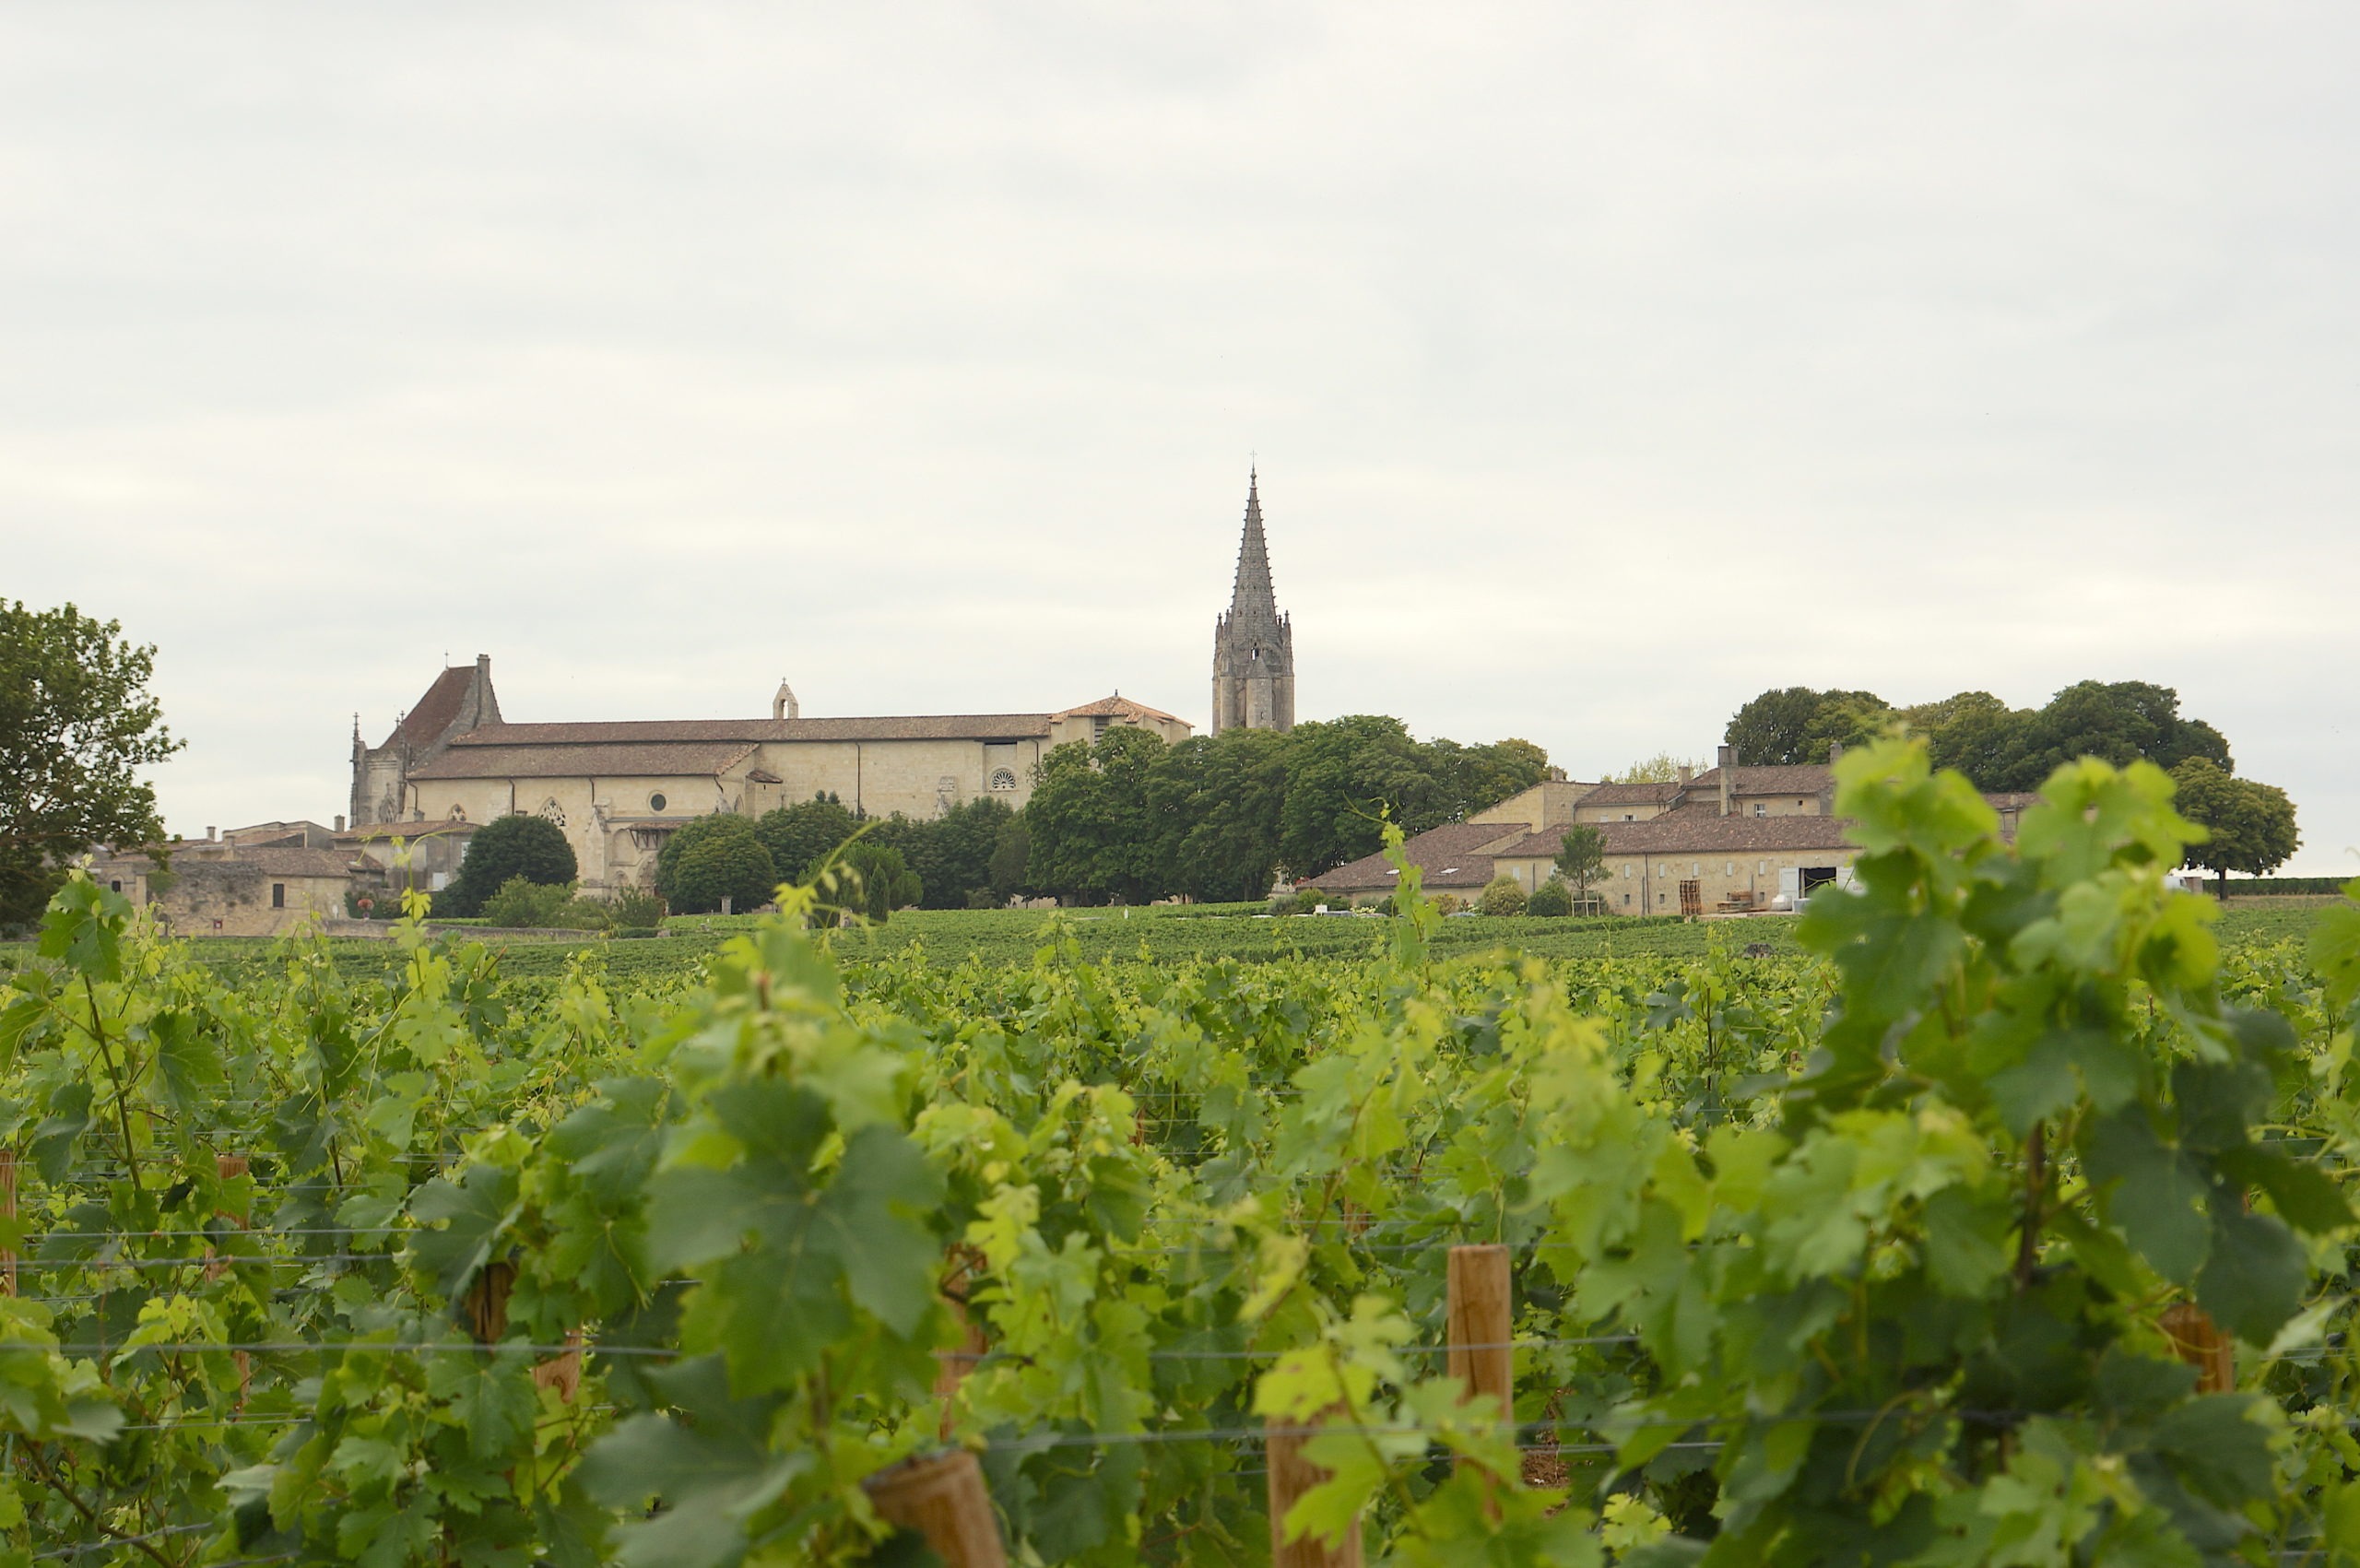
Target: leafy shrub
point(1551, 898)
point(1447, 903)
point(634, 932)
point(637, 907)
point(1504, 896)
point(524, 903)
point(516, 845)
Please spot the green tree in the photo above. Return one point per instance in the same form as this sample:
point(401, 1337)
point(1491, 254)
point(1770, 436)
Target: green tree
point(1661, 768)
point(2252, 824)
point(1581, 858)
point(518, 844)
point(1796, 723)
point(1094, 836)
point(2122, 721)
point(800, 836)
point(1472, 778)
point(1551, 898)
point(77, 723)
point(1344, 777)
point(1973, 731)
point(952, 855)
point(701, 896)
point(1217, 803)
point(872, 880)
point(724, 865)
point(1011, 855)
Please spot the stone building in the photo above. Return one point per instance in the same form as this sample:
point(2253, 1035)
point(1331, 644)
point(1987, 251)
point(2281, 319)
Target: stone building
point(459, 701)
point(618, 790)
point(222, 888)
point(1253, 644)
point(1731, 840)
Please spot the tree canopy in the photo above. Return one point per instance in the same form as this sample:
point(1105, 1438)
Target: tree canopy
point(2016, 748)
point(518, 844)
point(77, 723)
point(1796, 723)
point(801, 835)
point(2251, 825)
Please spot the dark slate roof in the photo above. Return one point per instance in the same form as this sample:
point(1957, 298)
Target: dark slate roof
point(586, 760)
point(436, 710)
point(1448, 855)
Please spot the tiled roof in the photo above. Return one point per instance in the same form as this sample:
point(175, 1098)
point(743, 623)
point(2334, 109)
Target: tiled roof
point(1450, 856)
point(1798, 778)
point(435, 710)
point(606, 759)
point(951, 727)
point(1652, 793)
point(1696, 829)
point(1118, 707)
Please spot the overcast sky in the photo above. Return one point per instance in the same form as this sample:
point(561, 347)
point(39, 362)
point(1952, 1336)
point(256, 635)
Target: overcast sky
point(1606, 364)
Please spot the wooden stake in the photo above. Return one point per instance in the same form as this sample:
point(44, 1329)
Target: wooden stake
point(2197, 1340)
point(1481, 1322)
point(941, 1496)
point(1291, 1476)
point(563, 1371)
point(487, 1302)
point(952, 1366)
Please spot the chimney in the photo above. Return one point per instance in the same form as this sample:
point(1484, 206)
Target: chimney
point(783, 705)
point(1727, 762)
point(209, 835)
point(1686, 773)
point(1834, 752)
point(340, 824)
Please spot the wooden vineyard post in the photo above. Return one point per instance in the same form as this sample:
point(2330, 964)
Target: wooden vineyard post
point(952, 1366)
point(486, 1302)
point(1480, 1324)
point(8, 1209)
point(941, 1496)
point(1292, 1475)
point(2197, 1340)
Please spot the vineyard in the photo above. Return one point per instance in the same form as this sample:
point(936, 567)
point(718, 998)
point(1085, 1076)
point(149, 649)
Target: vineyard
point(1998, 1215)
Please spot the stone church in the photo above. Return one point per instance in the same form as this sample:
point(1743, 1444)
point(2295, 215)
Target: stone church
point(619, 789)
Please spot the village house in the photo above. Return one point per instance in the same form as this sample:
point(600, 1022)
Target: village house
point(221, 886)
point(1731, 840)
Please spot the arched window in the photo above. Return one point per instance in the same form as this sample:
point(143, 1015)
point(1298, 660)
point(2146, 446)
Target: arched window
point(457, 814)
point(1003, 778)
point(553, 811)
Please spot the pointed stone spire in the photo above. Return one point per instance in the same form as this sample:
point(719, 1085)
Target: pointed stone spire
point(1253, 601)
point(1253, 643)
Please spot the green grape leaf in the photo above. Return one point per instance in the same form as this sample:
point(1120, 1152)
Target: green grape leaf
point(2255, 1277)
point(491, 1396)
point(2154, 1193)
point(2334, 949)
point(186, 1057)
point(84, 928)
point(479, 1208)
point(2304, 1196)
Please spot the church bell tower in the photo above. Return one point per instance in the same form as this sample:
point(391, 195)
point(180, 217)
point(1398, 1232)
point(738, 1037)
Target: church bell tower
point(1253, 644)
